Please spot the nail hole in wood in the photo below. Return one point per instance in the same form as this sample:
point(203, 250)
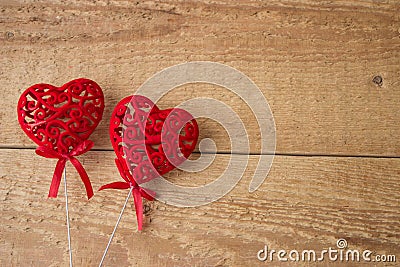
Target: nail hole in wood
point(146, 209)
point(378, 80)
point(9, 35)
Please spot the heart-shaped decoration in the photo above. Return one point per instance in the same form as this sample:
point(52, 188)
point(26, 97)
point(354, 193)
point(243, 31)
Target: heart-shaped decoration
point(60, 118)
point(151, 141)
point(148, 142)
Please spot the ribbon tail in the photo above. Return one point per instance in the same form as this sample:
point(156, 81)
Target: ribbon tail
point(147, 193)
point(85, 178)
point(115, 185)
point(137, 197)
point(55, 182)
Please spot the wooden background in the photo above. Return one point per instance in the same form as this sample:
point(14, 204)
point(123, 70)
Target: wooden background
point(329, 69)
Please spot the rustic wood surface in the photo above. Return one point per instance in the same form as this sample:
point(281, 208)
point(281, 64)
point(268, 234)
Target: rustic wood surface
point(330, 71)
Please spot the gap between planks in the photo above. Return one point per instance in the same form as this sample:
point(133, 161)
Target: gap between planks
point(244, 154)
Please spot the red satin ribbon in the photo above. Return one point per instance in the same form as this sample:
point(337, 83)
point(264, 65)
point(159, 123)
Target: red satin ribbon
point(137, 191)
point(62, 160)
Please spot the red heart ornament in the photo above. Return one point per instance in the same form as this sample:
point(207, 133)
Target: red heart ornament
point(60, 120)
point(148, 142)
point(156, 145)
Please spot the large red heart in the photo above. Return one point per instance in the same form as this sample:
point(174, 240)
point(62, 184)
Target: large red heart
point(148, 142)
point(60, 118)
point(153, 146)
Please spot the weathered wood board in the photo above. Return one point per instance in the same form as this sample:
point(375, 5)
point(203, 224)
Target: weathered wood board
point(305, 203)
point(330, 71)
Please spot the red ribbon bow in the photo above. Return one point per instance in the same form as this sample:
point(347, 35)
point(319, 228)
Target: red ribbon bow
point(137, 191)
point(62, 160)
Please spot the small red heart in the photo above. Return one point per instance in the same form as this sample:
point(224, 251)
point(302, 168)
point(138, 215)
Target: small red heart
point(155, 146)
point(60, 118)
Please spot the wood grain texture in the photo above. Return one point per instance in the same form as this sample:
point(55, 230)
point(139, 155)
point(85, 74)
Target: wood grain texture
point(314, 62)
point(330, 71)
point(306, 203)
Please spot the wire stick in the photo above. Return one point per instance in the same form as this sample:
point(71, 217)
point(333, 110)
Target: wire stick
point(67, 213)
point(115, 228)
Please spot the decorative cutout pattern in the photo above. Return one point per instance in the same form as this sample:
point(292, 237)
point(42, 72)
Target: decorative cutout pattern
point(60, 120)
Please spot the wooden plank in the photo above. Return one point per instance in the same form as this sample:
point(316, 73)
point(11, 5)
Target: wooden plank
point(305, 203)
point(314, 62)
